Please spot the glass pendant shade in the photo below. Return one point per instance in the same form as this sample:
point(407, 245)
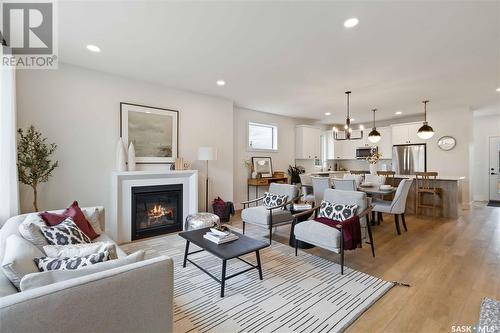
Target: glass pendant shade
point(374, 136)
point(425, 132)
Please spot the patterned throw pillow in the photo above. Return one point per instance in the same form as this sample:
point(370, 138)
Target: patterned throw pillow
point(65, 233)
point(63, 264)
point(273, 200)
point(337, 212)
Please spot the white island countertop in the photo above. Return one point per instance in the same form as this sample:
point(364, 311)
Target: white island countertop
point(439, 177)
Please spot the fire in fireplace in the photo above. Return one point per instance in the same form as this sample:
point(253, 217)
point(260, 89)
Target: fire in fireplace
point(156, 210)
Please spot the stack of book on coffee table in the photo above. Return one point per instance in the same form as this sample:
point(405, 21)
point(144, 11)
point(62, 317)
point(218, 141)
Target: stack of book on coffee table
point(220, 237)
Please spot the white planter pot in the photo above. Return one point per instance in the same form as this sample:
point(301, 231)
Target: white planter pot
point(373, 168)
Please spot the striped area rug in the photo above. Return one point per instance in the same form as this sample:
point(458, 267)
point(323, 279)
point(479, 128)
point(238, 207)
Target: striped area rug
point(298, 294)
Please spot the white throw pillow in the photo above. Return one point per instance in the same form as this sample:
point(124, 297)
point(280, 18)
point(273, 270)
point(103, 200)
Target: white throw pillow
point(36, 280)
point(18, 259)
point(80, 250)
point(30, 230)
point(93, 218)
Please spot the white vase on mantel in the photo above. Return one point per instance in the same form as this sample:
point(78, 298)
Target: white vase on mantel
point(121, 161)
point(373, 168)
point(131, 157)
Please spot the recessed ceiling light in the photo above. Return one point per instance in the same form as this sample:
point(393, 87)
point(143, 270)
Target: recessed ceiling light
point(93, 48)
point(328, 113)
point(221, 83)
point(498, 89)
point(351, 22)
point(398, 113)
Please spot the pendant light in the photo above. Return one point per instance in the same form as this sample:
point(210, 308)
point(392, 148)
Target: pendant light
point(347, 125)
point(374, 135)
point(425, 132)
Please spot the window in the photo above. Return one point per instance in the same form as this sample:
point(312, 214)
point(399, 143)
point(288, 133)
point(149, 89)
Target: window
point(262, 136)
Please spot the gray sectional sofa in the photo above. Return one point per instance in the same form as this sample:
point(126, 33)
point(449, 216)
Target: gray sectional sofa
point(137, 297)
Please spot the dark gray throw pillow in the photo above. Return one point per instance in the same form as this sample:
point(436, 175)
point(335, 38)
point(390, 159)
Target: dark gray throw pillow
point(65, 233)
point(63, 264)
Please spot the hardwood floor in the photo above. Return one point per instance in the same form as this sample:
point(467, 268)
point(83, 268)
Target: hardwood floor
point(451, 266)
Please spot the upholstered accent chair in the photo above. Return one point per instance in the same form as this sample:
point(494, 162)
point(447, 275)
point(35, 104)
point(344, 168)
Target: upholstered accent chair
point(269, 217)
point(397, 206)
point(330, 238)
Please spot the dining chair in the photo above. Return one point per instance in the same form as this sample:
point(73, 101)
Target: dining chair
point(397, 206)
point(320, 184)
point(345, 184)
point(357, 178)
point(389, 176)
point(307, 188)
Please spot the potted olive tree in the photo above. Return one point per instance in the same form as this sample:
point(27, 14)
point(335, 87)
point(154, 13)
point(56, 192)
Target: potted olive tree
point(33, 160)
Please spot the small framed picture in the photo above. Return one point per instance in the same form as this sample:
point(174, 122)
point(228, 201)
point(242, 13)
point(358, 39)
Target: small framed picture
point(263, 165)
point(154, 132)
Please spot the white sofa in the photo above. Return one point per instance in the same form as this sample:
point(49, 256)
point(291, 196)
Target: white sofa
point(132, 298)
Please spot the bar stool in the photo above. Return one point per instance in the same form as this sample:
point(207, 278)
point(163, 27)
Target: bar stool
point(389, 176)
point(423, 186)
point(359, 172)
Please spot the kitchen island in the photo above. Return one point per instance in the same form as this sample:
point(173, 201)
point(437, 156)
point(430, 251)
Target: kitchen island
point(454, 197)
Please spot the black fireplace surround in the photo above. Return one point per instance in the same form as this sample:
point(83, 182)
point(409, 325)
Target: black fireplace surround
point(156, 210)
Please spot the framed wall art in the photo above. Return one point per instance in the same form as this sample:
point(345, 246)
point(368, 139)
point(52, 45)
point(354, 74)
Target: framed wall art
point(154, 132)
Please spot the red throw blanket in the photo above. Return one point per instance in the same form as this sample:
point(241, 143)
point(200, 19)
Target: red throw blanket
point(352, 230)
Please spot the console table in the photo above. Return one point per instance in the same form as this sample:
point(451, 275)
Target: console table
point(260, 182)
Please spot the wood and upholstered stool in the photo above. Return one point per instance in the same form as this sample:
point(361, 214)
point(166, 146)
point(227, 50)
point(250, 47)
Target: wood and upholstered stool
point(424, 185)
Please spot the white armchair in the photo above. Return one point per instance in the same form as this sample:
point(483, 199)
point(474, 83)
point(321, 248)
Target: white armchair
point(329, 238)
point(270, 217)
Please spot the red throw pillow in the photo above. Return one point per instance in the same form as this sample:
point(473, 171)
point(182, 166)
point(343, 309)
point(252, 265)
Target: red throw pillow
point(73, 211)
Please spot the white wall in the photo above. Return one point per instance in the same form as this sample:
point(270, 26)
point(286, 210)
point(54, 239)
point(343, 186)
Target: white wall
point(79, 110)
point(484, 128)
point(281, 159)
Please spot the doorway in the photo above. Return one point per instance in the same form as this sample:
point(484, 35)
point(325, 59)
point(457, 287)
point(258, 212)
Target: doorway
point(494, 171)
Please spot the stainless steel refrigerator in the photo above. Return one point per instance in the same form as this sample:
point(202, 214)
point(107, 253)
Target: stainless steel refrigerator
point(408, 159)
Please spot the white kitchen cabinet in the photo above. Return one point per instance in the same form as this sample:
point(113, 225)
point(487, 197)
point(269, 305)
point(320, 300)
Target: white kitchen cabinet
point(338, 149)
point(405, 134)
point(385, 143)
point(329, 149)
point(307, 142)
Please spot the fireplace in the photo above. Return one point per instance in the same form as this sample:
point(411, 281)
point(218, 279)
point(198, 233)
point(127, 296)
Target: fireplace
point(156, 210)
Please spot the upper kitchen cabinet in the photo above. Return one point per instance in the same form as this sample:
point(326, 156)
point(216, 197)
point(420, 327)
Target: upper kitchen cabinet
point(385, 143)
point(307, 142)
point(405, 134)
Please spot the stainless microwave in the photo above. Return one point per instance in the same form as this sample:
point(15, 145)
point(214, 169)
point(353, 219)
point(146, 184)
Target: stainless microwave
point(364, 152)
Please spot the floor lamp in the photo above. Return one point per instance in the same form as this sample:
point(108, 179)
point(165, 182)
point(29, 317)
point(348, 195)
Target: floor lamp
point(207, 154)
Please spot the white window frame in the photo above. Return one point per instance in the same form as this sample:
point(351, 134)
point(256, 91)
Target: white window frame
point(275, 137)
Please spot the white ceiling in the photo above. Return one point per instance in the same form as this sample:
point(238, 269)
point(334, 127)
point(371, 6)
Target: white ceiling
point(296, 58)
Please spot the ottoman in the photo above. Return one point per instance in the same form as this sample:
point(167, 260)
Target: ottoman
point(201, 220)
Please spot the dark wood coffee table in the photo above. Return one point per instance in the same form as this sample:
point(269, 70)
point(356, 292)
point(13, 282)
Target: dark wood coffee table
point(232, 250)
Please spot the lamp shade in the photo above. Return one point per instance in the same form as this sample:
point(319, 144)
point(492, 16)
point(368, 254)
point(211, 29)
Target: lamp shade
point(207, 154)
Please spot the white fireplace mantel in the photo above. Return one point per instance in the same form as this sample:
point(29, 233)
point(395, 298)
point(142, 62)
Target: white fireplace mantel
point(119, 223)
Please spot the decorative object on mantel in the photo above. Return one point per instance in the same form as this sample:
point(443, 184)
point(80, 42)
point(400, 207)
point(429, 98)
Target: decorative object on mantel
point(154, 132)
point(374, 135)
point(179, 163)
point(348, 133)
point(263, 166)
point(294, 172)
point(447, 143)
point(373, 162)
point(121, 163)
point(425, 132)
point(207, 154)
point(33, 160)
point(251, 173)
point(131, 157)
